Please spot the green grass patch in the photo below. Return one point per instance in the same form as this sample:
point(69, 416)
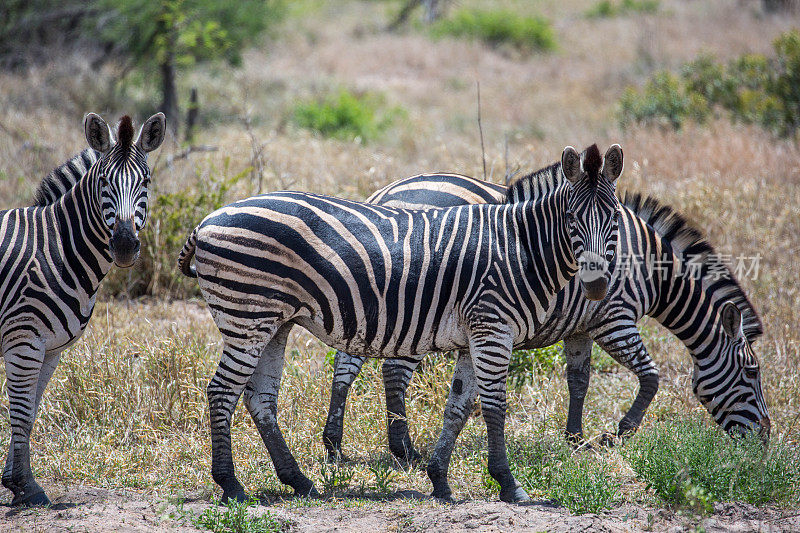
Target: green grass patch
point(609, 9)
point(525, 362)
point(498, 27)
point(689, 464)
point(347, 116)
point(580, 481)
point(234, 517)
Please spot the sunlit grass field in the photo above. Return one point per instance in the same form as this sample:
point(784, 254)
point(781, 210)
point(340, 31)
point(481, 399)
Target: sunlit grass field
point(127, 406)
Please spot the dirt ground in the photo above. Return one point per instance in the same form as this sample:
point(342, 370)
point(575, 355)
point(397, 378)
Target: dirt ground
point(86, 508)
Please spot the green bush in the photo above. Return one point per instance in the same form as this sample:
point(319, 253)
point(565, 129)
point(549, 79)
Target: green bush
point(687, 463)
point(608, 9)
point(171, 217)
point(751, 89)
point(664, 101)
point(345, 116)
point(498, 27)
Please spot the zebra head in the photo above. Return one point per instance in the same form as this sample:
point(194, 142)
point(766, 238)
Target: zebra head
point(593, 214)
point(123, 177)
point(731, 389)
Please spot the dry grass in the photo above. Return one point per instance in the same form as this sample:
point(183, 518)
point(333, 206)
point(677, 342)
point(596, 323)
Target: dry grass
point(127, 406)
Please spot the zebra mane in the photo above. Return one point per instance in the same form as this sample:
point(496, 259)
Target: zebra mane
point(125, 132)
point(689, 242)
point(62, 178)
point(543, 181)
point(536, 184)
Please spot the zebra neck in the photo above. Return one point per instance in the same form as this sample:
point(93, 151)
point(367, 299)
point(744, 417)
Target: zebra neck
point(545, 229)
point(84, 236)
point(548, 261)
point(688, 308)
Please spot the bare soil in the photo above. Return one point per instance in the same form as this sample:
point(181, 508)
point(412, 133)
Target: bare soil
point(87, 508)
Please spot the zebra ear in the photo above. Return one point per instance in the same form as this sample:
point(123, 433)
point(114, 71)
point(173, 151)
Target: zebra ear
point(152, 132)
point(612, 163)
point(571, 165)
point(98, 134)
point(731, 320)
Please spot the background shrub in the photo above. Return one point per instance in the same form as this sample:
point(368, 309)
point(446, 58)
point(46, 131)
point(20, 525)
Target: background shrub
point(608, 9)
point(498, 27)
point(664, 100)
point(345, 115)
point(752, 88)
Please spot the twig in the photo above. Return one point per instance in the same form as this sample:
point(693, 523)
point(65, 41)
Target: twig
point(186, 152)
point(480, 129)
point(257, 158)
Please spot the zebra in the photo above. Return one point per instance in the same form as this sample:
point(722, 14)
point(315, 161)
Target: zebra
point(386, 282)
point(55, 254)
point(726, 379)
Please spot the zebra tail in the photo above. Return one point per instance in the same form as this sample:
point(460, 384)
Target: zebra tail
point(185, 259)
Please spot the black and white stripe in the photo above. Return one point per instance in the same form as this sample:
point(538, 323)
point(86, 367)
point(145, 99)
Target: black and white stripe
point(385, 282)
point(54, 256)
point(703, 307)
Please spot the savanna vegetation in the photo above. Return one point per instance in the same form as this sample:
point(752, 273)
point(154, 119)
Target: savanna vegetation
point(322, 97)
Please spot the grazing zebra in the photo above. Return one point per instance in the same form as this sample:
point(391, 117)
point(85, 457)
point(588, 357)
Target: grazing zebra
point(55, 254)
point(385, 282)
point(719, 337)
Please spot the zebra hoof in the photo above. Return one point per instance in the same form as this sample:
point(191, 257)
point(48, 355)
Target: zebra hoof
point(412, 459)
point(515, 495)
point(38, 499)
point(608, 440)
point(335, 457)
point(445, 496)
point(307, 493)
point(238, 496)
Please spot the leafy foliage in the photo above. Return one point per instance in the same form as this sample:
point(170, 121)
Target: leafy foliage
point(498, 27)
point(689, 464)
point(190, 30)
point(608, 9)
point(752, 88)
point(344, 115)
point(665, 101)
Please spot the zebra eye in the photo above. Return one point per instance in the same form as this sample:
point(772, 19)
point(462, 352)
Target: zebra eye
point(570, 218)
point(615, 216)
point(751, 372)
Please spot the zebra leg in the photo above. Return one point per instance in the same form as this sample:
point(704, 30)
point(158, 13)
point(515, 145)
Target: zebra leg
point(24, 362)
point(460, 402)
point(261, 398)
point(627, 348)
point(223, 391)
point(491, 352)
point(397, 374)
point(345, 370)
point(578, 353)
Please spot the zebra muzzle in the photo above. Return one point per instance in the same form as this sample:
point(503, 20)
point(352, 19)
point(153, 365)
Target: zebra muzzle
point(124, 243)
point(592, 273)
